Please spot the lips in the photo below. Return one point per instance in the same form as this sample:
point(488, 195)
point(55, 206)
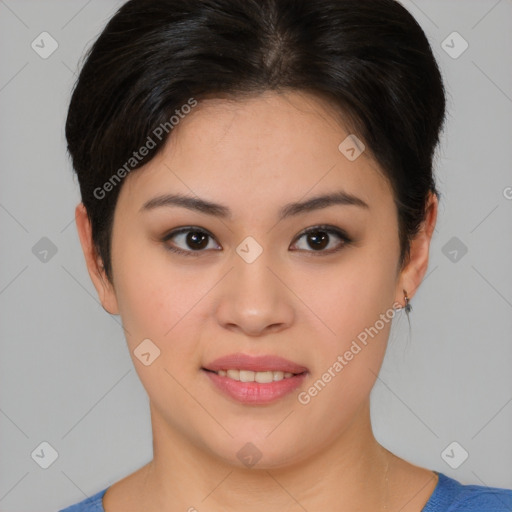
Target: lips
point(247, 379)
point(264, 363)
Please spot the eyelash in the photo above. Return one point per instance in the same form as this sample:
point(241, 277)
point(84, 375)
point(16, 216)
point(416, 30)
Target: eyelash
point(346, 240)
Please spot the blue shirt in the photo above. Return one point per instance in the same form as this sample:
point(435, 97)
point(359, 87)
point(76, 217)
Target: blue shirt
point(449, 496)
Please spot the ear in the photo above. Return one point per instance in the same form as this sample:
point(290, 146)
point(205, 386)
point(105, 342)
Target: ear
point(104, 288)
point(414, 271)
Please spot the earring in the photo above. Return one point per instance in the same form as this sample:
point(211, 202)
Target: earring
point(407, 306)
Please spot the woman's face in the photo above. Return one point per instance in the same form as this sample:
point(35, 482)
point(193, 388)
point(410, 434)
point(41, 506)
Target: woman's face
point(250, 281)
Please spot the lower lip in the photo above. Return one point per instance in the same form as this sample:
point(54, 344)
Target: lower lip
point(253, 392)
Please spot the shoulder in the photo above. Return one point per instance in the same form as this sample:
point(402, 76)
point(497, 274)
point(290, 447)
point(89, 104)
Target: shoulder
point(92, 504)
point(453, 496)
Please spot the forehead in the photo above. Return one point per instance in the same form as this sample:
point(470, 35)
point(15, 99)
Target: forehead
point(258, 150)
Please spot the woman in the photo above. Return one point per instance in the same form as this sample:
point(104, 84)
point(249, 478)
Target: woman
point(257, 198)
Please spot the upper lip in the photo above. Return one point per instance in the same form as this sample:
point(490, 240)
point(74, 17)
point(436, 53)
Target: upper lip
point(255, 364)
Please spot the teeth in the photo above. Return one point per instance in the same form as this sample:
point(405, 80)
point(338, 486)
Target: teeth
point(234, 374)
point(250, 376)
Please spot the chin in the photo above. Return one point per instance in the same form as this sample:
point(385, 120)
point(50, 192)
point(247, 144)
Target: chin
point(259, 452)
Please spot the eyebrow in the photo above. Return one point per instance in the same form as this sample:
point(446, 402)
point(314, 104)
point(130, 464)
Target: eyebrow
point(217, 210)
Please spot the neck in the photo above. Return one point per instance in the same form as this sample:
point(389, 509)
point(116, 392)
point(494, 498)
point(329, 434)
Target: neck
point(348, 474)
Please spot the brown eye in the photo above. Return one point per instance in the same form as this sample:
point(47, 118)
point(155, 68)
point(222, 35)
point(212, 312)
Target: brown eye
point(188, 241)
point(196, 240)
point(318, 238)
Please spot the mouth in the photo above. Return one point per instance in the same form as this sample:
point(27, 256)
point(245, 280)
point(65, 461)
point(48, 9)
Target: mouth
point(262, 377)
point(255, 379)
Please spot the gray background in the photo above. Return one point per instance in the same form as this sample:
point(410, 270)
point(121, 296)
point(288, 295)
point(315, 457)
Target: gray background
point(66, 375)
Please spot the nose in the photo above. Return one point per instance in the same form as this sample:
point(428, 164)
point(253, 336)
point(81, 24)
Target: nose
point(254, 298)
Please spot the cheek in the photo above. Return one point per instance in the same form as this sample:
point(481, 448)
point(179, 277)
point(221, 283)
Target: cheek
point(354, 302)
point(352, 295)
point(153, 295)
point(156, 303)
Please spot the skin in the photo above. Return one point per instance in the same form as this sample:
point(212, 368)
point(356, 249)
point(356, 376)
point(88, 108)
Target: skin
point(254, 156)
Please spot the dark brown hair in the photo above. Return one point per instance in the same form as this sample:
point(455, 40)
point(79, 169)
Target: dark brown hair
point(368, 58)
